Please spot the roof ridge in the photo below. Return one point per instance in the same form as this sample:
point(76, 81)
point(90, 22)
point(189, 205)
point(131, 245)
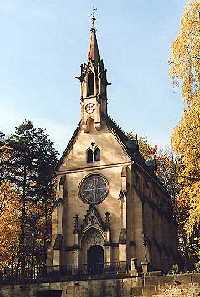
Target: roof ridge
point(134, 153)
point(117, 126)
point(69, 145)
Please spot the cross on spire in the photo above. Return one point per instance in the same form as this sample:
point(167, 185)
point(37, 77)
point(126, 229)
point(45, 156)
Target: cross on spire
point(93, 53)
point(93, 19)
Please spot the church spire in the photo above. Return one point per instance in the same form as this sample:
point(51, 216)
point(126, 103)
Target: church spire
point(93, 52)
point(93, 86)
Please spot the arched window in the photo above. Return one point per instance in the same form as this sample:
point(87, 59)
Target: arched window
point(90, 156)
point(97, 154)
point(90, 84)
point(93, 154)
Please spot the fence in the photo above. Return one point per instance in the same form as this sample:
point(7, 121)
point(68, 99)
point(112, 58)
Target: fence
point(71, 272)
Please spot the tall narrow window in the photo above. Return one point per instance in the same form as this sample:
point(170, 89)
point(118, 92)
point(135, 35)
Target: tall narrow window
point(90, 156)
point(97, 154)
point(90, 91)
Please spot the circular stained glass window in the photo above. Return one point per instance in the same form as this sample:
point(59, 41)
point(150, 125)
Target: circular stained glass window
point(93, 189)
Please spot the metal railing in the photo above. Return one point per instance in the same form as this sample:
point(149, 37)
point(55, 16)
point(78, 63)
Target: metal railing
point(48, 273)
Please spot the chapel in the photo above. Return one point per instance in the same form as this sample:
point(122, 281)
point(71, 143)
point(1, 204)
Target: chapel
point(111, 209)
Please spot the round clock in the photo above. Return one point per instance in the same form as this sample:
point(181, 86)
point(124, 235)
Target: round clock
point(93, 189)
point(90, 107)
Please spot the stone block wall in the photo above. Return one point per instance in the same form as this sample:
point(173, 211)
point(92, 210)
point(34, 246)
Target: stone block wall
point(150, 286)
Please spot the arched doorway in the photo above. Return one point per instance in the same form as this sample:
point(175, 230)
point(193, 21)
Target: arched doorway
point(92, 237)
point(95, 256)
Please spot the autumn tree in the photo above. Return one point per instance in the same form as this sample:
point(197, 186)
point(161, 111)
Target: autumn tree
point(30, 169)
point(185, 72)
point(9, 224)
point(166, 165)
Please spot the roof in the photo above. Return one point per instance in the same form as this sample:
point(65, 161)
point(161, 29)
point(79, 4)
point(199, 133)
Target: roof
point(69, 145)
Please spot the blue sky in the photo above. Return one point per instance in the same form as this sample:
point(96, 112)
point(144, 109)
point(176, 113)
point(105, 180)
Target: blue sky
point(43, 43)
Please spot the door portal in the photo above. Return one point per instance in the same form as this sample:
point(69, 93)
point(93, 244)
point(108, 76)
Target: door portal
point(95, 259)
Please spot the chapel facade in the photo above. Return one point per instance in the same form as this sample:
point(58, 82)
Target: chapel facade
point(111, 207)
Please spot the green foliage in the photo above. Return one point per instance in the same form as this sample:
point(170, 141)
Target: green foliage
point(30, 168)
point(2, 135)
point(33, 159)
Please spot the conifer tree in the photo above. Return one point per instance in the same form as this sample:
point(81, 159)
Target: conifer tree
point(30, 169)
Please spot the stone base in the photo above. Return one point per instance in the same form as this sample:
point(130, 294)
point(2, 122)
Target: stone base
point(155, 286)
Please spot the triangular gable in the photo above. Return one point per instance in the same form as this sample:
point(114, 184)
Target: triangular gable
point(92, 219)
point(112, 126)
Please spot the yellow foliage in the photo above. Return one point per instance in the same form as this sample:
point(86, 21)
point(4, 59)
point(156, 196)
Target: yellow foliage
point(185, 67)
point(186, 142)
point(192, 193)
point(185, 60)
point(9, 223)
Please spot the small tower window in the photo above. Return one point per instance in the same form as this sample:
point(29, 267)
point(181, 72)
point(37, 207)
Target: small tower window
point(93, 155)
point(90, 91)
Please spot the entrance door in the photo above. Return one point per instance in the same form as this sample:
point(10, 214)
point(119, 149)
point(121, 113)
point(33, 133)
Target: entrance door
point(95, 256)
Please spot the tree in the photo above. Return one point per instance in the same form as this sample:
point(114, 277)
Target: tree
point(2, 135)
point(185, 71)
point(185, 68)
point(144, 146)
point(31, 168)
point(4, 156)
point(185, 56)
point(166, 167)
point(168, 171)
point(9, 224)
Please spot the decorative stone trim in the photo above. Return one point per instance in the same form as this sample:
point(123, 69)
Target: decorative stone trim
point(58, 244)
point(122, 236)
point(72, 248)
point(92, 219)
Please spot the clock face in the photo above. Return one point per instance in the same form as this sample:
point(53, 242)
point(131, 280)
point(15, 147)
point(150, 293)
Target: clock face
point(90, 108)
point(93, 189)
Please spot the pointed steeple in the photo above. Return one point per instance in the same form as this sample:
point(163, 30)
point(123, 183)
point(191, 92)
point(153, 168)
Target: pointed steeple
point(93, 52)
point(93, 86)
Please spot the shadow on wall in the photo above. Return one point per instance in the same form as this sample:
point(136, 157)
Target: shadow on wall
point(49, 293)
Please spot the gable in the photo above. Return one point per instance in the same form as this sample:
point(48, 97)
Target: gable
point(92, 220)
point(112, 149)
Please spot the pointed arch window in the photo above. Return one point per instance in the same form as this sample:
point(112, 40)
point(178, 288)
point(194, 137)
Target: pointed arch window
point(97, 154)
point(90, 90)
point(93, 155)
point(90, 156)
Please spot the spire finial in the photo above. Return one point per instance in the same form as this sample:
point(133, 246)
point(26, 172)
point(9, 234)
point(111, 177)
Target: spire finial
point(93, 19)
point(93, 53)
